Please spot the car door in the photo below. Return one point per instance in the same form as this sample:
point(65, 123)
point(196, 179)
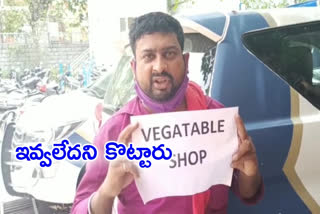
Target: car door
point(292, 54)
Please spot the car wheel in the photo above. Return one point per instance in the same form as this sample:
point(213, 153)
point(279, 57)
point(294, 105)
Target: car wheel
point(6, 157)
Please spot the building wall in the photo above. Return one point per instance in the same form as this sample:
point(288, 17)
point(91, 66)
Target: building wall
point(22, 56)
point(105, 38)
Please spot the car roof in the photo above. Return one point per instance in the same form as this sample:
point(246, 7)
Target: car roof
point(214, 25)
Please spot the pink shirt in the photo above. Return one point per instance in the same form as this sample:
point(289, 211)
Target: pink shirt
point(129, 199)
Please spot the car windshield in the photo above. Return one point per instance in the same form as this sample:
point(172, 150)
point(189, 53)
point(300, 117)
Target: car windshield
point(98, 88)
point(121, 86)
point(116, 86)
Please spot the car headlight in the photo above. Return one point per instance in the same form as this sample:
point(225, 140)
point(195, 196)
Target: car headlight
point(64, 131)
point(23, 136)
point(46, 136)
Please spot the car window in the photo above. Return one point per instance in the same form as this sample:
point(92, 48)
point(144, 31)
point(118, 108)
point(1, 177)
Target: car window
point(121, 86)
point(202, 53)
point(98, 88)
point(293, 53)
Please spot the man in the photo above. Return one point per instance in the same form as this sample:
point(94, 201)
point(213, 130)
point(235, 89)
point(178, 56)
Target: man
point(313, 90)
point(161, 83)
point(310, 91)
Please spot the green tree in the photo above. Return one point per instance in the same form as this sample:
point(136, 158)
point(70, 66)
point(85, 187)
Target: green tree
point(173, 5)
point(80, 8)
point(267, 4)
point(15, 3)
point(300, 1)
point(34, 14)
point(11, 21)
point(264, 4)
point(60, 12)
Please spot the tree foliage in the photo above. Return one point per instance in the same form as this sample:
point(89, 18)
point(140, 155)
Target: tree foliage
point(264, 4)
point(11, 21)
point(34, 12)
point(173, 5)
point(16, 3)
point(32, 17)
point(267, 4)
point(62, 8)
point(300, 1)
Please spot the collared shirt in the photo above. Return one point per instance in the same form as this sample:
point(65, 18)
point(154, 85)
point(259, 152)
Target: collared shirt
point(129, 199)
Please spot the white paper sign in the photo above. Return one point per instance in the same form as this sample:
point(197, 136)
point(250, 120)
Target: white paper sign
point(202, 144)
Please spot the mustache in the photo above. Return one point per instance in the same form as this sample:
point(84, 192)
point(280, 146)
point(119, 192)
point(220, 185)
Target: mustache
point(163, 74)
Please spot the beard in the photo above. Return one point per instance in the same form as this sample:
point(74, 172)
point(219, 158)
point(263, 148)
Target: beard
point(163, 94)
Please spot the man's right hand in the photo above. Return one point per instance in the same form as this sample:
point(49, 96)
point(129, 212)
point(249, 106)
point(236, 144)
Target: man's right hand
point(121, 173)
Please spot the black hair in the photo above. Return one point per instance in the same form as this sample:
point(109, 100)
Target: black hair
point(154, 22)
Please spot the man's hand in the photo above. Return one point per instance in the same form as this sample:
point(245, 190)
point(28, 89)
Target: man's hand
point(245, 160)
point(121, 171)
point(310, 89)
point(306, 85)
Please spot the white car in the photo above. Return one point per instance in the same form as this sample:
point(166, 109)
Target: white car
point(256, 59)
point(75, 116)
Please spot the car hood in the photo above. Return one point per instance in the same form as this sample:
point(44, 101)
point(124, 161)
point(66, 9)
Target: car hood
point(58, 110)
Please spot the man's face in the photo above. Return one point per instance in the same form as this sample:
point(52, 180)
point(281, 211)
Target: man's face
point(160, 65)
